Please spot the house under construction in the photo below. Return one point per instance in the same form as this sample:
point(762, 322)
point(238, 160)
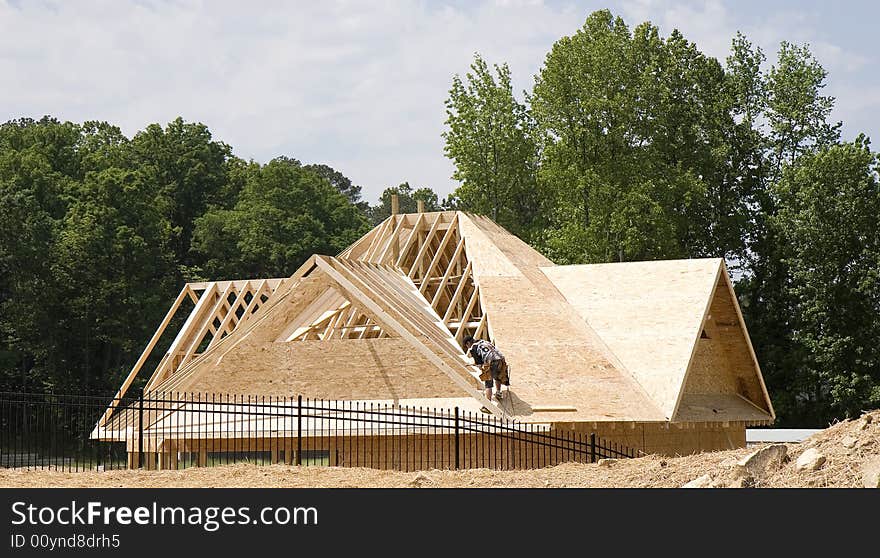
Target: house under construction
point(654, 355)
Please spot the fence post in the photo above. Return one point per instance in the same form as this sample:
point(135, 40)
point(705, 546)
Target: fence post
point(456, 437)
point(140, 462)
point(592, 447)
point(299, 445)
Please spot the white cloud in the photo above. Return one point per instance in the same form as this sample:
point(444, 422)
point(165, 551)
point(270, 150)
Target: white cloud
point(357, 85)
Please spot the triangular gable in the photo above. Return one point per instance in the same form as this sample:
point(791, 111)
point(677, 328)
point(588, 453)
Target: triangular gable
point(651, 315)
point(723, 373)
point(648, 314)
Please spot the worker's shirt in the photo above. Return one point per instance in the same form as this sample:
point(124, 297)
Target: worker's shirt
point(483, 351)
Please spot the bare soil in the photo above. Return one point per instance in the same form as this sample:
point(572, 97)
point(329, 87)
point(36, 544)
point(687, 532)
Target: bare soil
point(846, 446)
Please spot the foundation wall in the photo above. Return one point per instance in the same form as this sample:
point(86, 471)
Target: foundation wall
point(666, 439)
point(437, 451)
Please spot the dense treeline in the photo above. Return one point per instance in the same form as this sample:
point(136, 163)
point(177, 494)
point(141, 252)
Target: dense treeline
point(630, 146)
point(634, 146)
point(99, 231)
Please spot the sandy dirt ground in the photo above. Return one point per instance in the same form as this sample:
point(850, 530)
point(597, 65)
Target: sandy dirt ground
point(846, 446)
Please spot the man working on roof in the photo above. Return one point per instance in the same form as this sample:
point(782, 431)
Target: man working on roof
point(492, 363)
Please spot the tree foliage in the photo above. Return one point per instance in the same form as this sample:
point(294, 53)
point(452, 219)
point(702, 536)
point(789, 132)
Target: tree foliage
point(828, 228)
point(490, 140)
point(284, 214)
point(99, 232)
point(638, 146)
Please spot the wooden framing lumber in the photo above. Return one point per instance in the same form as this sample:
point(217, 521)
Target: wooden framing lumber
point(203, 332)
point(446, 238)
point(393, 243)
point(420, 255)
point(385, 316)
point(466, 316)
point(456, 296)
point(184, 292)
point(410, 240)
point(449, 269)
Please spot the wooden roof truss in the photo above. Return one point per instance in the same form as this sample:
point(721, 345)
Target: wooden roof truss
point(219, 307)
point(430, 250)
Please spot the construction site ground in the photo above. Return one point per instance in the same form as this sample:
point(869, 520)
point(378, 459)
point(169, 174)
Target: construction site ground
point(850, 450)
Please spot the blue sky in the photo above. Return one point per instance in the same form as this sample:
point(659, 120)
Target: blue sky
point(361, 85)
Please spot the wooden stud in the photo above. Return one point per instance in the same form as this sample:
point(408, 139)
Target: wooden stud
point(456, 296)
point(337, 275)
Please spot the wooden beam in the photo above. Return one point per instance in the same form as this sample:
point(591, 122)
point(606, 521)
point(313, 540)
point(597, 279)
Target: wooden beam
point(341, 313)
point(378, 241)
point(480, 327)
point(389, 321)
point(393, 244)
point(352, 316)
point(424, 247)
point(443, 243)
point(239, 301)
point(466, 316)
point(459, 289)
point(146, 352)
point(410, 240)
point(449, 269)
point(190, 351)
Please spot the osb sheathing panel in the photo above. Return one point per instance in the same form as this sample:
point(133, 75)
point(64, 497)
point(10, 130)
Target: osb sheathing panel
point(723, 362)
point(334, 369)
point(554, 357)
point(648, 313)
point(289, 299)
point(489, 242)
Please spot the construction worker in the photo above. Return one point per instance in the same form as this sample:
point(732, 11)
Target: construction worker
point(493, 366)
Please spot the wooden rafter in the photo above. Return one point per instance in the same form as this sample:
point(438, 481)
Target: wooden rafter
point(456, 296)
point(466, 316)
point(393, 244)
point(424, 247)
point(360, 279)
point(449, 269)
point(411, 240)
point(378, 240)
point(184, 292)
point(450, 232)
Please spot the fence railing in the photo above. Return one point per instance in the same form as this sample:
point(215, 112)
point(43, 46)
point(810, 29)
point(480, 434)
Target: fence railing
point(181, 430)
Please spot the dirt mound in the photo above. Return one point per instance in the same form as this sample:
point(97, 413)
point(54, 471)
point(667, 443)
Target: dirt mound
point(847, 450)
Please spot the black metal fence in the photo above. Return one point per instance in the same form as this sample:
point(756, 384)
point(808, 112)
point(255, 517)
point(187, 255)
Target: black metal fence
point(176, 431)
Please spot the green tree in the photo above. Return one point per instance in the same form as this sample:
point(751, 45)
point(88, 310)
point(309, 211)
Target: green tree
point(114, 273)
point(191, 171)
point(634, 131)
point(341, 182)
point(786, 115)
point(39, 165)
point(283, 215)
point(828, 227)
point(490, 141)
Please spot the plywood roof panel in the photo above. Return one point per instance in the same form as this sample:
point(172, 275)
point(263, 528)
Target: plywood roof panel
point(648, 313)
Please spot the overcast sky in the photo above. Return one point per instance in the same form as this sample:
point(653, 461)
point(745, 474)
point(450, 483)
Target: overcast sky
point(361, 85)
